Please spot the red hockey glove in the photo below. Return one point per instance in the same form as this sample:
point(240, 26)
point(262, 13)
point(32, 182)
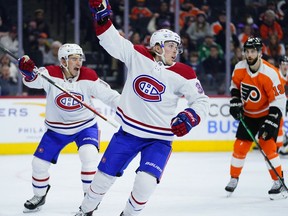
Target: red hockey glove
point(100, 9)
point(26, 66)
point(184, 122)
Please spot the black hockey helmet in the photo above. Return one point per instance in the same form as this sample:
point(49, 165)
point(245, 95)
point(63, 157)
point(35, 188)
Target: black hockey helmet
point(283, 59)
point(253, 43)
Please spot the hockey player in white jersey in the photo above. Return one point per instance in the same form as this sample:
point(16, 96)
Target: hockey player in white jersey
point(146, 111)
point(283, 68)
point(66, 119)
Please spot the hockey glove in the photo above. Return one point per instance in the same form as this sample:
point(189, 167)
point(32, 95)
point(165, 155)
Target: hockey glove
point(100, 9)
point(184, 122)
point(269, 129)
point(236, 108)
point(26, 66)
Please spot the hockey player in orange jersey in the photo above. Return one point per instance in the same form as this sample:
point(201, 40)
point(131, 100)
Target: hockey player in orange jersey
point(258, 97)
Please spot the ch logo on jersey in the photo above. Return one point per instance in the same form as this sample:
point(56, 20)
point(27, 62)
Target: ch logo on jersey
point(67, 103)
point(249, 92)
point(148, 88)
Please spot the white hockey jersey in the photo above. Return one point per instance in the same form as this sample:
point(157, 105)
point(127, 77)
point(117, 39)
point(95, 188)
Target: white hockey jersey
point(64, 114)
point(152, 90)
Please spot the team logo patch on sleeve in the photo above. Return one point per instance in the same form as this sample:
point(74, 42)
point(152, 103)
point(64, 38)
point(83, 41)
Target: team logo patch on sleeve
point(67, 103)
point(148, 88)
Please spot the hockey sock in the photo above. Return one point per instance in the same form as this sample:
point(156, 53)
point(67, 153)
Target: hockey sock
point(270, 149)
point(241, 148)
point(40, 176)
point(88, 155)
point(144, 186)
point(97, 190)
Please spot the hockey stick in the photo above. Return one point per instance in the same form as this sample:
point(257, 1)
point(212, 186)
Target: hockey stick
point(63, 89)
point(263, 153)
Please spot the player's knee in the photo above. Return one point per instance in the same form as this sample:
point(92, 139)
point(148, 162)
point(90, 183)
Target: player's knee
point(39, 165)
point(144, 186)
point(268, 146)
point(242, 147)
point(88, 153)
point(102, 182)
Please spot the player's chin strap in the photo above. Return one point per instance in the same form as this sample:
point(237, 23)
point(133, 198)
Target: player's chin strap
point(162, 55)
point(66, 69)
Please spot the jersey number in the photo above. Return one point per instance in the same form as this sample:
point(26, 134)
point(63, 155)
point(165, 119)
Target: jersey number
point(279, 89)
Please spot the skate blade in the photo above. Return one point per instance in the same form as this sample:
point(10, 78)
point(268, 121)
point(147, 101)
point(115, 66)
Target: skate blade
point(31, 210)
point(282, 195)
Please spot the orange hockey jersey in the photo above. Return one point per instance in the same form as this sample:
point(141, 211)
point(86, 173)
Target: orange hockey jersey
point(259, 90)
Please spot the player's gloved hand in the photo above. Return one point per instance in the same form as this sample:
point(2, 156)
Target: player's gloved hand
point(26, 66)
point(271, 124)
point(184, 122)
point(100, 9)
point(236, 108)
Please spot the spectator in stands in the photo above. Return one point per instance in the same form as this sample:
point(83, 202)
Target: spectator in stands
point(140, 16)
point(51, 58)
point(10, 41)
point(5, 60)
point(42, 25)
point(248, 31)
point(30, 34)
point(7, 86)
point(214, 66)
point(204, 49)
point(161, 16)
point(272, 5)
point(43, 43)
point(198, 29)
point(218, 29)
point(236, 57)
point(274, 48)
point(4, 29)
point(187, 47)
point(187, 15)
point(270, 26)
point(135, 38)
point(195, 63)
point(254, 7)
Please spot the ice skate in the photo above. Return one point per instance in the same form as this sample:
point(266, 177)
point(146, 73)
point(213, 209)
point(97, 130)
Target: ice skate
point(35, 203)
point(231, 186)
point(277, 191)
point(81, 213)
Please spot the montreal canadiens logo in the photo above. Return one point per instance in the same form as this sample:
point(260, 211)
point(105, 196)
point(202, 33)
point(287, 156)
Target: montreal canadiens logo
point(67, 103)
point(148, 88)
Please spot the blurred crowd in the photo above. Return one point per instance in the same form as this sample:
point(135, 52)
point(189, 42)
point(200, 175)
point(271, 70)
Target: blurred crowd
point(202, 26)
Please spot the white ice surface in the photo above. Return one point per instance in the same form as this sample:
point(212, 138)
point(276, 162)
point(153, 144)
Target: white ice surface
point(192, 184)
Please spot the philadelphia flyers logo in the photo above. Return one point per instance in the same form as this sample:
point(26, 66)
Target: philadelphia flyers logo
point(148, 88)
point(67, 103)
point(249, 92)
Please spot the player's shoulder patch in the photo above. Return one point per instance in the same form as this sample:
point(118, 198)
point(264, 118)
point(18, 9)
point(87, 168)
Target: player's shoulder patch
point(143, 50)
point(87, 74)
point(183, 70)
point(54, 71)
